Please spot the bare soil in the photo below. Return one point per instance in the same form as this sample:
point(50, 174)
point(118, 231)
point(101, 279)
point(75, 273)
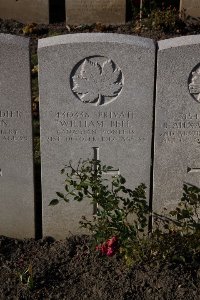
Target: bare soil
point(68, 269)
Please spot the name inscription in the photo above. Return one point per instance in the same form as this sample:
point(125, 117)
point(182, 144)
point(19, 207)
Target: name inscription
point(184, 128)
point(107, 126)
point(7, 132)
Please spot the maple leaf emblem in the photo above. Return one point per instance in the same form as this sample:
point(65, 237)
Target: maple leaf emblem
point(97, 83)
point(194, 83)
point(194, 86)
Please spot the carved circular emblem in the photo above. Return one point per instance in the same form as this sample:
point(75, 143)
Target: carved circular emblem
point(96, 80)
point(194, 83)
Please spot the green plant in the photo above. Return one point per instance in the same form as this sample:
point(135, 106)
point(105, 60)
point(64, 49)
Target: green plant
point(34, 60)
point(176, 235)
point(119, 225)
point(52, 33)
point(166, 19)
point(29, 28)
point(184, 218)
point(26, 277)
point(120, 217)
point(186, 215)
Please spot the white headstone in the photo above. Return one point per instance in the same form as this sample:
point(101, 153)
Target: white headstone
point(16, 160)
point(25, 11)
point(96, 99)
point(190, 8)
point(177, 127)
point(95, 11)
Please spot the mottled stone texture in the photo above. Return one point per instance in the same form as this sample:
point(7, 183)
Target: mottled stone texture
point(26, 11)
point(93, 11)
point(177, 128)
point(190, 8)
point(96, 91)
point(16, 160)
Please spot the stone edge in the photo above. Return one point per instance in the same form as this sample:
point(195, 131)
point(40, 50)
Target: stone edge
point(96, 37)
point(14, 40)
point(179, 42)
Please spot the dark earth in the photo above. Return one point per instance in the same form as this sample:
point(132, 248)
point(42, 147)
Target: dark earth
point(69, 269)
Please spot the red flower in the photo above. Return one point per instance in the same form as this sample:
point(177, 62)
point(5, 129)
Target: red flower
point(112, 242)
point(104, 248)
point(110, 252)
point(108, 248)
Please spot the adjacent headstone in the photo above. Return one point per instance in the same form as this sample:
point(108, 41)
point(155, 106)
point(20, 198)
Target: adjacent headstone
point(96, 101)
point(94, 11)
point(25, 11)
point(190, 8)
point(16, 160)
point(177, 127)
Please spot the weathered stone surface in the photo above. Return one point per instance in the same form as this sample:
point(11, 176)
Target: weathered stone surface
point(26, 11)
point(96, 91)
point(16, 160)
point(93, 11)
point(177, 132)
point(190, 8)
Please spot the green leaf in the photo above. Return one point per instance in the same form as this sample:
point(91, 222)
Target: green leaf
point(122, 180)
point(66, 199)
point(109, 168)
point(61, 195)
point(54, 202)
point(73, 194)
point(185, 213)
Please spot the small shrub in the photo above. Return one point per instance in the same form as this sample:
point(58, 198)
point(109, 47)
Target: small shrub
point(166, 19)
point(121, 213)
point(176, 235)
point(185, 218)
point(120, 223)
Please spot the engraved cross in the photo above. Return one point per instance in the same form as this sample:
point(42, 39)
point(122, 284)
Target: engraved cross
point(112, 172)
point(193, 170)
